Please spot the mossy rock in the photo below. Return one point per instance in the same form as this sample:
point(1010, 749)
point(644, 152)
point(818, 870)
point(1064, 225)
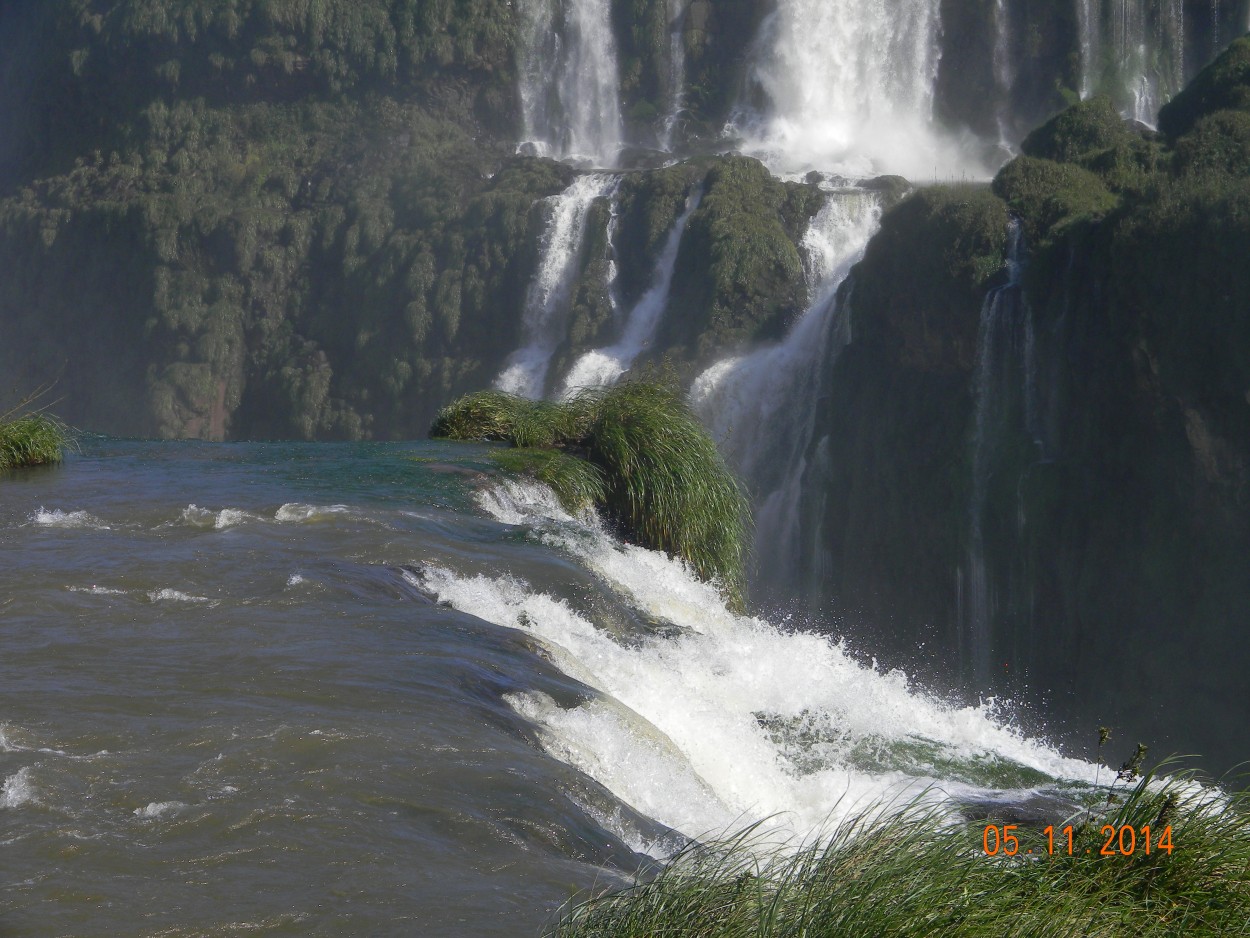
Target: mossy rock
point(1222, 85)
point(739, 275)
point(1049, 196)
point(1219, 144)
point(1079, 131)
point(924, 274)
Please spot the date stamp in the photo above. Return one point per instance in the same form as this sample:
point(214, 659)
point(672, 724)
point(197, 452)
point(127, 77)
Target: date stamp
point(1122, 841)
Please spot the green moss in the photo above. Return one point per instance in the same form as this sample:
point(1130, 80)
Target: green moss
point(1050, 196)
point(1078, 131)
point(925, 272)
point(739, 277)
point(1222, 85)
point(1217, 145)
point(655, 471)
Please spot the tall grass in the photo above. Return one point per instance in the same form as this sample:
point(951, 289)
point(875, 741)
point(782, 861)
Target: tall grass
point(914, 875)
point(30, 437)
point(645, 462)
point(34, 440)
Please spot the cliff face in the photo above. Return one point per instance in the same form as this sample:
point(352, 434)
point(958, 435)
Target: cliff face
point(1048, 482)
point(287, 219)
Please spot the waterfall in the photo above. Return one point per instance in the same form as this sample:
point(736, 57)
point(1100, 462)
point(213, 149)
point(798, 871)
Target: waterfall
point(676, 71)
point(570, 107)
point(1088, 18)
point(1003, 319)
point(604, 366)
point(1004, 73)
point(1147, 52)
point(849, 88)
point(547, 299)
point(759, 405)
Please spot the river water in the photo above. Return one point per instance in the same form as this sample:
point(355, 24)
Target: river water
point(373, 689)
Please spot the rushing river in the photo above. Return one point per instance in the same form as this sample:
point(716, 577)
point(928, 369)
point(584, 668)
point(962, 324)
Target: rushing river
point(374, 690)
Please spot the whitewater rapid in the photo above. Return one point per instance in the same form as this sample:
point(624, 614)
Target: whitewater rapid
point(713, 721)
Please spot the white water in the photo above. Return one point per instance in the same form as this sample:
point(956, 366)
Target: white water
point(732, 719)
point(676, 71)
point(1149, 62)
point(547, 300)
point(850, 89)
point(570, 108)
point(603, 366)
point(748, 402)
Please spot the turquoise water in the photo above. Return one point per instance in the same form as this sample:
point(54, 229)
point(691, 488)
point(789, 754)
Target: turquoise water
point(365, 689)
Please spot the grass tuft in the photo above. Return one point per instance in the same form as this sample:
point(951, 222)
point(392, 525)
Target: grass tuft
point(914, 875)
point(32, 440)
point(637, 453)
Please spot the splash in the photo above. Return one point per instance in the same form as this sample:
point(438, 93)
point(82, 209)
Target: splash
point(849, 88)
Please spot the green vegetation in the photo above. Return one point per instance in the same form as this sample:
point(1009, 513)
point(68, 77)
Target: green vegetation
point(918, 875)
point(32, 440)
point(1222, 85)
point(739, 276)
point(636, 453)
point(1050, 196)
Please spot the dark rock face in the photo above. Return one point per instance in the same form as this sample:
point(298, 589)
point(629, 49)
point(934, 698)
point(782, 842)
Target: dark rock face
point(1115, 515)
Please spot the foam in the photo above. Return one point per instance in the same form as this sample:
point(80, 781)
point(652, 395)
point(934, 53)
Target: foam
point(18, 790)
point(732, 720)
point(56, 518)
point(296, 512)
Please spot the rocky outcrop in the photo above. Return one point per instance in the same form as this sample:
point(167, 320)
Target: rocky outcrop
point(1115, 515)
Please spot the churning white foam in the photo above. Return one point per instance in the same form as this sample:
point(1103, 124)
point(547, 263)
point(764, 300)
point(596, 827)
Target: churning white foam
point(218, 520)
point(158, 809)
point(726, 720)
point(176, 596)
point(18, 789)
point(56, 518)
point(96, 590)
point(295, 511)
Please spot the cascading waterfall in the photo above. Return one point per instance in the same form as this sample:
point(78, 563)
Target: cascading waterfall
point(850, 89)
point(547, 299)
point(1147, 48)
point(676, 71)
point(1089, 22)
point(569, 82)
point(752, 403)
point(603, 366)
point(1004, 338)
point(1004, 72)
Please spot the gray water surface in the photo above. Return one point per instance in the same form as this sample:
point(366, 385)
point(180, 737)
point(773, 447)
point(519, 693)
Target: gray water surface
point(248, 722)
